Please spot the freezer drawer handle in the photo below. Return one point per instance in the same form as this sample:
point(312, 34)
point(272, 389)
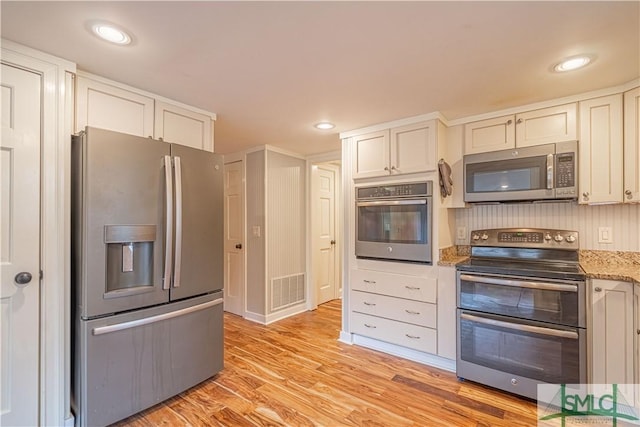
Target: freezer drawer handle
point(153, 319)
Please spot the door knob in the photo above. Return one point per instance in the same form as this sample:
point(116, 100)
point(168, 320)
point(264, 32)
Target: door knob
point(333, 242)
point(23, 278)
point(239, 246)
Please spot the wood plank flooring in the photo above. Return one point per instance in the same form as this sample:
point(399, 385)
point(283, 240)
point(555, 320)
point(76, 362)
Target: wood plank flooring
point(295, 373)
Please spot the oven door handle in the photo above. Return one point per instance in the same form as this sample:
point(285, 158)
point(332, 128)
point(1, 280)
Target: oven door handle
point(520, 327)
point(520, 283)
point(394, 202)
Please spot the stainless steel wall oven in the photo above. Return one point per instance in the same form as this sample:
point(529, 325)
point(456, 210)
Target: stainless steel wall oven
point(393, 222)
point(521, 310)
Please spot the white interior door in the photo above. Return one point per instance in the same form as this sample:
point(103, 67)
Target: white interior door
point(324, 230)
point(20, 247)
point(233, 238)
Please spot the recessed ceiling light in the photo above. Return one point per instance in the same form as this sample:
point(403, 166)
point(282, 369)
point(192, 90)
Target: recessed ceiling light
point(110, 33)
point(572, 63)
point(324, 125)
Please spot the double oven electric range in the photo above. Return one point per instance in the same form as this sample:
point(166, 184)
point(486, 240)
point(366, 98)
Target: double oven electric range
point(521, 316)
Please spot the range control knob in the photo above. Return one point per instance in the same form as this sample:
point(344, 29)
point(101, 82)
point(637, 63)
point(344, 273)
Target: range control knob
point(571, 238)
point(558, 238)
point(485, 236)
point(547, 236)
point(476, 237)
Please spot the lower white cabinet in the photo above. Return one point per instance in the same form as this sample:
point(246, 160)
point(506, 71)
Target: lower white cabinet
point(395, 308)
point(612, 333)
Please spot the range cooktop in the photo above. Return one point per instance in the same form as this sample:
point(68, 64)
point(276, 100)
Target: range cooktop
point(528, 252)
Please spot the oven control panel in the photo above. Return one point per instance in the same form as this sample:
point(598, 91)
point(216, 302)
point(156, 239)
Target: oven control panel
point(526, 238)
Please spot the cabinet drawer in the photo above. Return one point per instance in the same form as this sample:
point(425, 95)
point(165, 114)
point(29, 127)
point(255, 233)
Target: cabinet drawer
point(409, 311)
point(404, 334)
point(395, 285)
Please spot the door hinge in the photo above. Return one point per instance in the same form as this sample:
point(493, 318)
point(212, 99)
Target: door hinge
point(41, 274)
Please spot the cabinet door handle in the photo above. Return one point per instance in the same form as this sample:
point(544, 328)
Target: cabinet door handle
point(598, 289)
point(370, 326)
point(370, 304)
point(585, 195)
point(412, 288)
point(412, 312)
point(413, 337)
point(628, 194)
point(386, 168)
point(373, 282)
point(509, 122)
point(393, 168)
point(518, 121)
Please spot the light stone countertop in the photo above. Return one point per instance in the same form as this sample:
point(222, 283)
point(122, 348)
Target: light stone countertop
point(608, 265)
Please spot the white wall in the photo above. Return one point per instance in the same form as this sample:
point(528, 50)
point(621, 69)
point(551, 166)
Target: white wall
point(624, 221)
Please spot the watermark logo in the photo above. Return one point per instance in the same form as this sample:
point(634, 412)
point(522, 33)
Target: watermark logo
point(566, 405)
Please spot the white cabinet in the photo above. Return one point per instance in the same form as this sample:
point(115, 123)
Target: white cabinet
point(447, 312)
point(110, 105)
point(611, 331)
point(401, 150)
point(395, 308)
point(182, 126)
point(600, 150)
point(543, 126)
point(632, 145)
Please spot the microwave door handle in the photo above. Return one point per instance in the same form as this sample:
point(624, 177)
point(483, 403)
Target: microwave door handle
point(168, 235)
point(550, 172)
point(520, 327)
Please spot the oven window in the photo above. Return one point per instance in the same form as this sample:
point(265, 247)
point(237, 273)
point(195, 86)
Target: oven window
point(509, 175)
point(538, 356)
point(393, 223)
point(560, 307)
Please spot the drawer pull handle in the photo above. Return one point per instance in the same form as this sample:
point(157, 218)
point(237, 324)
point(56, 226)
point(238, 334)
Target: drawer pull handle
point(413, 337)
point(412, 312)
point(370, 326)
point(370, 304)
point(373, 282)
point(412, 288)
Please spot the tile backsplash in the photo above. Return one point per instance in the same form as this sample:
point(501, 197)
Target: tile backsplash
point(624, 221)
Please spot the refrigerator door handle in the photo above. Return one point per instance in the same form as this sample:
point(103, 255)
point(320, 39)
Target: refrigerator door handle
point(178, 251)
point(168, 238)
point(154, 319)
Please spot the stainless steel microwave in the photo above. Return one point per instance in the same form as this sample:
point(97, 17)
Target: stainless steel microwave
point(393, 222)
point(541, 172)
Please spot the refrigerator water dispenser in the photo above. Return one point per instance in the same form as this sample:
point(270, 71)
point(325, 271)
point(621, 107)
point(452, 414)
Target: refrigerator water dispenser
point(129, 259)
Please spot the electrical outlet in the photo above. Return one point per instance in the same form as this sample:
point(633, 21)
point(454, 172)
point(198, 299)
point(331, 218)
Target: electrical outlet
point(256, 231)
point(461, 233)
point(605, 235)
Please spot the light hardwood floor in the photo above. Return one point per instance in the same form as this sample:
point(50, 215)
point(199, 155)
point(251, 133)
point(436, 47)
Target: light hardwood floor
point(295, 373)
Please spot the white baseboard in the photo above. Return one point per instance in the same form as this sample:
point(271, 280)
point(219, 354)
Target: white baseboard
point(274, 317)
point(407, 353)
point(345, 337)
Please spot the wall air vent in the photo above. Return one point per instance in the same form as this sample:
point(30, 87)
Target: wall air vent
point(287, 291)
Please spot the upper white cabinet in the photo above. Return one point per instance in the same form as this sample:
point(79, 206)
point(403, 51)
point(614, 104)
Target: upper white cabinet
point(110, 105)
point(632, 145)
point(600, 150)
point(401, 150)
point(182, 126)
point(543, 126)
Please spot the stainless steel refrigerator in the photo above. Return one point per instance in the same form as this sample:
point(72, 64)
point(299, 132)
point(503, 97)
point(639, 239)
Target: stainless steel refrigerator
point(147, 224)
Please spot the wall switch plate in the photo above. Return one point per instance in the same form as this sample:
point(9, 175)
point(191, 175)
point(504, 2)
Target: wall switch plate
point(256, 231)
point(461, 233)
point(605, 235)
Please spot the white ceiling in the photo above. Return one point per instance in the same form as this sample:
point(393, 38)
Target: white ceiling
point(270, 70)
